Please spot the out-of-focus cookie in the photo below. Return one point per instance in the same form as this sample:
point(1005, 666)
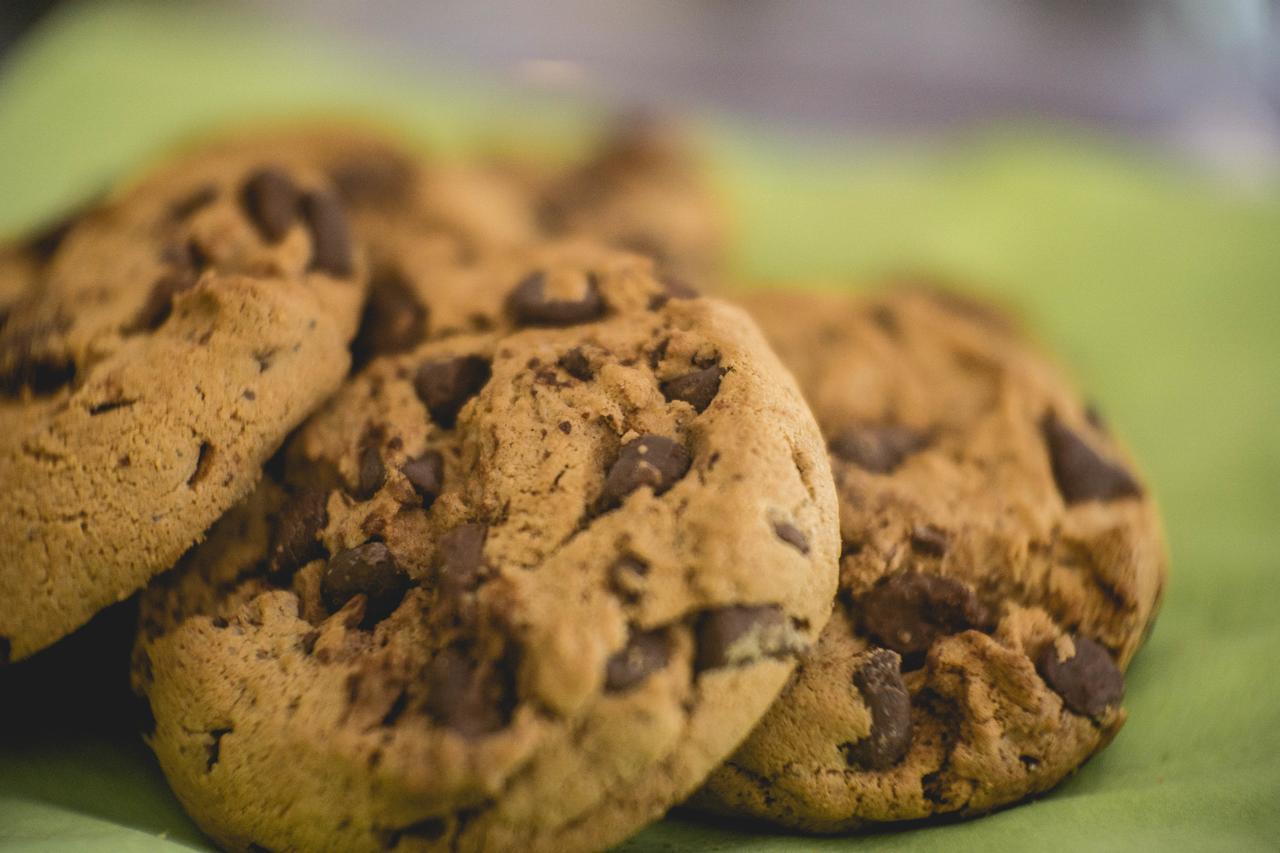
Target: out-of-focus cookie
point(644, 189)
point(1001, 565)
point(522, 585)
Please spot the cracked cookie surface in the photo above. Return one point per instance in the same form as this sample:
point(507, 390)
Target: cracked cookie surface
point(170, 338)
point(521, 585)
point(1000, 567)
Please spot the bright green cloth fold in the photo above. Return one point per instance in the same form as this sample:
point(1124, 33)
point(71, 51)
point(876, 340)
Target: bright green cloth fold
point(1161, 290)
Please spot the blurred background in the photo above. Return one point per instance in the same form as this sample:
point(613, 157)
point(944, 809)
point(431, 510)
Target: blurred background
point(1199, 79)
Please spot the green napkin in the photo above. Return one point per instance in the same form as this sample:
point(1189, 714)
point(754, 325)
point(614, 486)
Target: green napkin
point(1162, 291)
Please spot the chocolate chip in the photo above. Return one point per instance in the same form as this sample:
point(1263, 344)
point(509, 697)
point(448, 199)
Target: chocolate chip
point(159, 303)
point(674, 288)
point(575, 363)
point(737, 635)
point(43, 375)
point(908, 611)
point(651, 460)
point(697, 389)
point(644, 654)
point(24, 367)
point(184, 207)
point(928, 540)
point(530, 304)
point(330, 235)
point(372, 472)
point(565, 427)
point(426, 475)
point(471, 698)
point(461, 558)
point(368, 570)
point(44, 243)
point(372, 180)
point(879, 680)
point(1081, 474)
point(626, 577)
point(444, 385)
point(791, 534)
point(887, 319)
point(678, 288)
point(185, 261)
point(878, 449)
point(270, 200)
point(393, 320)
point(1089, 682)
point(295, 541)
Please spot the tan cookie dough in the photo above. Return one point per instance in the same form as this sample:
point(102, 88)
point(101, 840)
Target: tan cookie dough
point(644, 189)
point(1000, 568)
point(520, 586)
point(175, 333)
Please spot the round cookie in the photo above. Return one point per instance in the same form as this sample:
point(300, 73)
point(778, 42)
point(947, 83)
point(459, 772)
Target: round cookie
point(1000, 567)
point(522, 586)
point(175, 333)
point(643, 190)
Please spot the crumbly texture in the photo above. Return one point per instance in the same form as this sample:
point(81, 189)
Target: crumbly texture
point(1000, 567)
point(520, 586)
point(171, 336)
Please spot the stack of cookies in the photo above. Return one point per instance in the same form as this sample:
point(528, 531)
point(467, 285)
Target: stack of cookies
point(463, 522)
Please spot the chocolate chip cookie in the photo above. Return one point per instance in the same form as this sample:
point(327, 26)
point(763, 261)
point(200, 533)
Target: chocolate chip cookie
point(173, 335)
point(519, 586)
point(1001, 565)
point(644, 190)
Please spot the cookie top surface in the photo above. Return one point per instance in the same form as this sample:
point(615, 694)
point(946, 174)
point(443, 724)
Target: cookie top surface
point(643, 189)
point(524, 584)
point(1000, 566)
point(172, 335)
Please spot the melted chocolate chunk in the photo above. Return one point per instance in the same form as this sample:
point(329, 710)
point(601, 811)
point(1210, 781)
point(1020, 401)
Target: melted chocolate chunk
point(741, 634)
point(393, 320)
point(468, 696)
point(331, 250)
point(697, 389)
point(296, 539)
point(1088, 682)
point(879, 680)
point(445, 385)
point(878, 449)
point(270, 201)
point(199, 198)
point(791, 534)
point(644, 654)
point(426, 475)
point(651, 460)
point(531, 305)
point(908, 611)
point(575, 363)
point(372, 473)
point(1079, 471)
point(368, 570)
point(186, 261)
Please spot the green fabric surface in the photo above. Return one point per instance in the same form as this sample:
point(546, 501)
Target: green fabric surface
point(1161, 291)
